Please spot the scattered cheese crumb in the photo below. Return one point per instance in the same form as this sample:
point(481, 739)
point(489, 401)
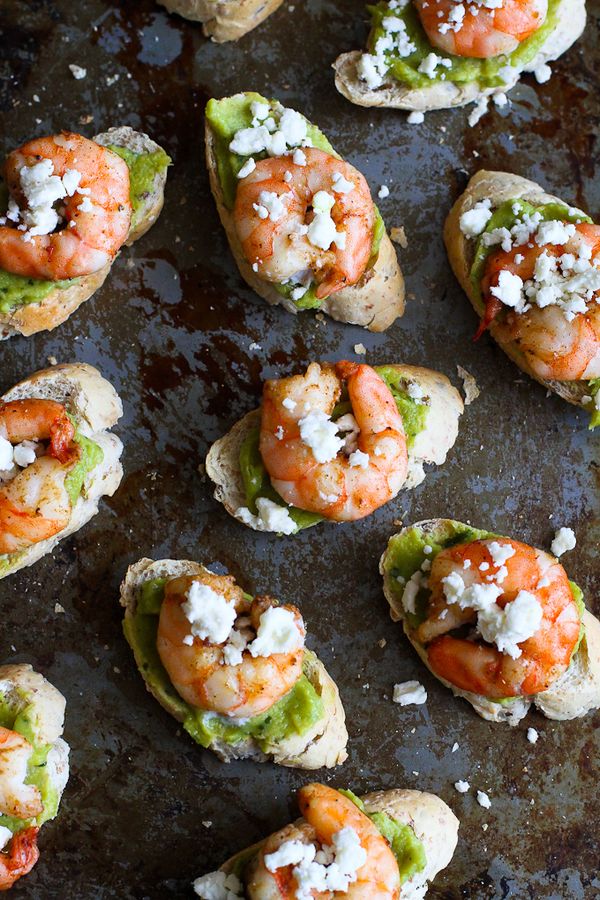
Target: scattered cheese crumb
point(78, 72)
point(409, 692)
point(462, 786)
point(483, 799)
point(564, 540)
point(415, 118)
point(360, 349)
point(532, 735)
point(383, 192)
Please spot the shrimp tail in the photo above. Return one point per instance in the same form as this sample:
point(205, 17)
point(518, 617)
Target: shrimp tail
point(62, 432)
point(21, 857)
point(345, 369)
point(492, 308)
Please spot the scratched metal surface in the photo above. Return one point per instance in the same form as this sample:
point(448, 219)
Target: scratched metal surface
point(172, 328)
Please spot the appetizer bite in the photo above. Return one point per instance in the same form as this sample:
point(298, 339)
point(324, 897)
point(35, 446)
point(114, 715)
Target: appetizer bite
point(300, 221)
point(57, 459)
point(335, 443)
point(71, 203)
point(433, 54)
point(496, 621)
point(232, 668)
point(34, 766)
point(224, 20)
point(530, 265)
point(388, 844)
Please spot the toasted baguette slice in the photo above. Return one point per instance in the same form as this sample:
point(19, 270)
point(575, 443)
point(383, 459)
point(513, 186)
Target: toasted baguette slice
point(499, 187)
point(58, 305)
point(95, 407)
point(446, 94)
point(432, 821)
point(374, 302)
point(431, 446)
point(572, 695)
point(224, 20)
point(324, 745)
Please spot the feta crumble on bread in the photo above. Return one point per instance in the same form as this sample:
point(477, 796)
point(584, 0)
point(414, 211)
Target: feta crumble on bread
point(42, 189)
point(270, 517)
point(373, 67)
point(277, 132)
point(322, 231)
point(332, 868)
point(218, 886)
point(473, 221)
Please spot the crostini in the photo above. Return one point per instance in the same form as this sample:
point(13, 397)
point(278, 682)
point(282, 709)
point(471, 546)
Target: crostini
point(388, 844)
point(530, 265)
point(254, 691)
point(35, 766)
point(333, 444)
point(57, 459)
point(72, 203)
point(224, 20)
point(300, 221)
point(438, 54)
point(495, 620)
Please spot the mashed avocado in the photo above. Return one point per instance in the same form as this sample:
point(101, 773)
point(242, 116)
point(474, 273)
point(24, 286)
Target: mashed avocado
point(17, 291)
point(254, 474)
point(405, 555)
point(229, 115)
point(295, 713)
point(462, 69)
point(21, 717)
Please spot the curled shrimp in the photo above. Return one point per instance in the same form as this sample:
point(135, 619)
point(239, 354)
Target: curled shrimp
point(326, 812)
point(200, 671)
point(473, 665)
point(480, 30)
point(20, 857)
point(34, 504)
point(556, 347)
point(347, 486)
point(96, 215)
point(278, 243)
point(17, 799)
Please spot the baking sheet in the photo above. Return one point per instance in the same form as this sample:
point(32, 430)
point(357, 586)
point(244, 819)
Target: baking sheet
point(175, 330)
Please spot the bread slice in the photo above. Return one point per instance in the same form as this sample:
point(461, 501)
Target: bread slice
point(446, 94)
point(323, 745)
point(57, 306)
point(224, 20)
point(95, 407)
point(572, 695)
point(374, 302)
point(431, 446)
point(432, 821)
point(500, 187)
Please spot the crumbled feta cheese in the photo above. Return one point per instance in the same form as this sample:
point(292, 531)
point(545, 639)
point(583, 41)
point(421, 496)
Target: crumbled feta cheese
point(23, 454)
point(462, 786)
point(473, 221)
point(271, 517)
point(554, 232)
point(322, 230)
point(415, 118)
point(509, 626)
point(260, 111)
point(532, 735)
point(543, 73)
point(331, 869)
point(78, 72)
point(319, 433)
point(478, 111)
point(564, 540)
point(415, 392)
point(218, 886)
point(455, 747)
point(248, 167)
point(277, 632)
point(372, 68)
point(360, 349)
point(42, 188)
point(210, 615)
point(6, 455)
point(273, 134)
point(483, 799)
point(416, 582)
point(509, 290)
point(273, 203)
point(409, 693)
point(299, 158)
point(288, 403)
point(383, 192)
point(5, 836)
point(359, 459)
point(340, 184)
point(500, 98)
point(429, 65)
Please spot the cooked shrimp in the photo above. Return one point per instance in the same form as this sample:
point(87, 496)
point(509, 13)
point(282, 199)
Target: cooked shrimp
point(327, 813)
point(555, 346)
point(327, 480)
point(515, 570)
point(20, 858)
point(282, 221)
point(34, 504)
point(96, 214)
point(226, 677)
point(17, 799)
point(480, 29)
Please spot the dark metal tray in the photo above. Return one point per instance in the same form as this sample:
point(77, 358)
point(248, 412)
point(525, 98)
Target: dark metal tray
point(146, 810)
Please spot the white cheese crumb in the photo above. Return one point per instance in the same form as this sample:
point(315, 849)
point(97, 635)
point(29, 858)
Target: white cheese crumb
point(483, 799)
point(271, 517)
point(455, 747)
point(478, 111)
point(543, 73)
point(78, 72)
point(462, 786)
point(564, 540)
point(359, 459)
point(319, 433)
point(248, 167)
point(415, 118)
point(277, 633)
point(5, 836)
point(340, 184)
point(383, 192)
point(409, 693)
point(360, 349)
point(473, 221)
point(218, 886)
point(210, 615)
point(532, 735)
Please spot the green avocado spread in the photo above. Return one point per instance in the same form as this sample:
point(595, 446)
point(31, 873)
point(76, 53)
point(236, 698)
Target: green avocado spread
point(294, 714)
point(228, 116)
point(461, 70)
point(21, 716)
point(254, 474)
point(17, 290)
point(405, 555)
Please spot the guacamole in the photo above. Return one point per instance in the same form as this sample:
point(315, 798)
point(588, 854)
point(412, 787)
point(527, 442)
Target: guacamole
point(228, 116)
point(405, 555)
point(17, 290)
point(295, 713)
point(254, 474)
point(462, 70)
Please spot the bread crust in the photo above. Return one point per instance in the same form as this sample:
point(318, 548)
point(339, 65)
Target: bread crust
point(573, 695)
point(224, 20)
point(499, 187)
point(430, 447)
point(446, 94)
point(96, 407)
point(375, 302)
point(324, 745)
point(59, 304)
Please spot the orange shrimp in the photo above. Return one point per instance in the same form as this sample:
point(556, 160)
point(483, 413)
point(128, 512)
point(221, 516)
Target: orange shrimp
point(347, 482)
point(97, 211)
point(280, 244)
point(513, 569)
point(477, 30)
point(20, 858)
